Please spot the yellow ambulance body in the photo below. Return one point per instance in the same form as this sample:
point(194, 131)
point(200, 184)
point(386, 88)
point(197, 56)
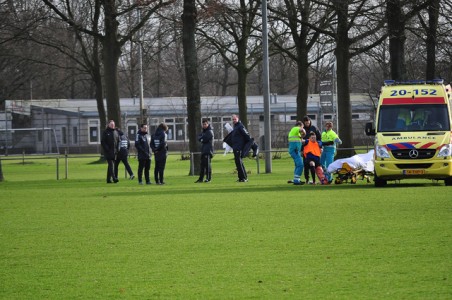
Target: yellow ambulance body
point(413, 135)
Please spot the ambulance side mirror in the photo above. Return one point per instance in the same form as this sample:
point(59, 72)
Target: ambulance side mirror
point(370, 129)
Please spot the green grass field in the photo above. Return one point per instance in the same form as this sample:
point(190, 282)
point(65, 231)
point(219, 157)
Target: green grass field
point(79, 238)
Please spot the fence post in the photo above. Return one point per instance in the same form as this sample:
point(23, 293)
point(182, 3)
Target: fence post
point(57, 168)
point(65, 164)
point(257, 163)
point(192, 164)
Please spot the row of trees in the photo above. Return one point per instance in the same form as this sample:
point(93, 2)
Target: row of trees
point(93, 48)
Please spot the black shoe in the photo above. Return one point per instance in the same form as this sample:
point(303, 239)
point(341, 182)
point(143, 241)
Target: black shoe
point(115, 180)
point(198, 181)
point(242, 180)
point(162, 183)
point(207, 181)
point(148, 182)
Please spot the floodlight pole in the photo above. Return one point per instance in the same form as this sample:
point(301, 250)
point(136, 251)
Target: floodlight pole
point(266, 90)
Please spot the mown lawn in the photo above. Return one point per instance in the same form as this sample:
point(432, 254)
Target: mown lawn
point(265, 239)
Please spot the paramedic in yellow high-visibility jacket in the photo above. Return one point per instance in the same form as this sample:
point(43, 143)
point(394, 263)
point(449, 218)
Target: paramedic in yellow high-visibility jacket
point(295, 135)
point(329, 141)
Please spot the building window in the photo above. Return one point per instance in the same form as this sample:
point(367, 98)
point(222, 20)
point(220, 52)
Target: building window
point(93, 127)
point(328, 117)
point(63, 135)
point(74, 135)
point(132, 132)
point(355, 116)
point(180, 132)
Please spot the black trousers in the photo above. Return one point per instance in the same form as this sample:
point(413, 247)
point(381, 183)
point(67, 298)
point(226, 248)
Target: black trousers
point(144, 164)
point(111, 170)
point(241, 172)
point(159, 170)
point(206, 167)
point(125, 161)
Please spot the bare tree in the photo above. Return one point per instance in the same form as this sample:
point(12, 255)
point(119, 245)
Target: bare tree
point(357, 29)
point(295, 16)
point(398, 13)
point(111, 37)
point(189, 16)
point(231, 29)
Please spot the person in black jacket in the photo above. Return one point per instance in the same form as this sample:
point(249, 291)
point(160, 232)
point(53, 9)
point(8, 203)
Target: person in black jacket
point(239, 138)
point(123, 154)
point(308, 127)
point(159, 147)
point(206, 139)
point(109, 144)
point(144, 154)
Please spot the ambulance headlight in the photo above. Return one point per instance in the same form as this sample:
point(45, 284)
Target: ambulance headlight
point(381, 152)
point(445, 150)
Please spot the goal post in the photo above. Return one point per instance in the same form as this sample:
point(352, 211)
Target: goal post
point(28, 141)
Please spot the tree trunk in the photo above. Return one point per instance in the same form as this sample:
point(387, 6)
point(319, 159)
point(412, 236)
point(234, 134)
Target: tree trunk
point(303, 84)
point(242, 75)
point(342, 53)
point(111, 52)
point(396, 31)
point(192, 79)
point(433, 14)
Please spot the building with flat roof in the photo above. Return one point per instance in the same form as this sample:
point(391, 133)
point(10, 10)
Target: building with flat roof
point(77, 129)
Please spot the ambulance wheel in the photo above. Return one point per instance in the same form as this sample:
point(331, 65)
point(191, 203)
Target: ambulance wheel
point(378, 181)
point(448, 181)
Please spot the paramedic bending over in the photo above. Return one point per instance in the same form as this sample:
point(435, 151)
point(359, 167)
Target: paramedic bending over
point(329, 141)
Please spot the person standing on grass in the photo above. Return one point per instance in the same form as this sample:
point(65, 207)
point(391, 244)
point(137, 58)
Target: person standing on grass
point(206, 139)
point(109, 142)
point(239, 138)
point(142, 142)
point(123, 154)
point(159, 147)
point(294, 137)
point(329, 141)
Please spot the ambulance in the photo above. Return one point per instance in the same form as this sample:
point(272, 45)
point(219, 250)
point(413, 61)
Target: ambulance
point(413, 135)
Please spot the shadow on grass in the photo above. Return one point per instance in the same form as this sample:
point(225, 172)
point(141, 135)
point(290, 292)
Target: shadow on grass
point(100, 161)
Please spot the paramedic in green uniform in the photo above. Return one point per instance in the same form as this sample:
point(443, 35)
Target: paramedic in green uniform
point(295, 135)
point(329, 141)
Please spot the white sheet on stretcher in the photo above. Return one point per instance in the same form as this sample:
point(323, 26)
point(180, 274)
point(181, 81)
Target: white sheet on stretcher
point(358, 161)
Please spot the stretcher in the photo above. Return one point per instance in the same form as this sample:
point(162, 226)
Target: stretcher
point(352, 169)
point(346, 173)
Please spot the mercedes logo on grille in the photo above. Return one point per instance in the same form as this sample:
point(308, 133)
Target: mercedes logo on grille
point(413, 154)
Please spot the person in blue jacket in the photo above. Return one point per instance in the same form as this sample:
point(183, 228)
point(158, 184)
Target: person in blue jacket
point(159, 146)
